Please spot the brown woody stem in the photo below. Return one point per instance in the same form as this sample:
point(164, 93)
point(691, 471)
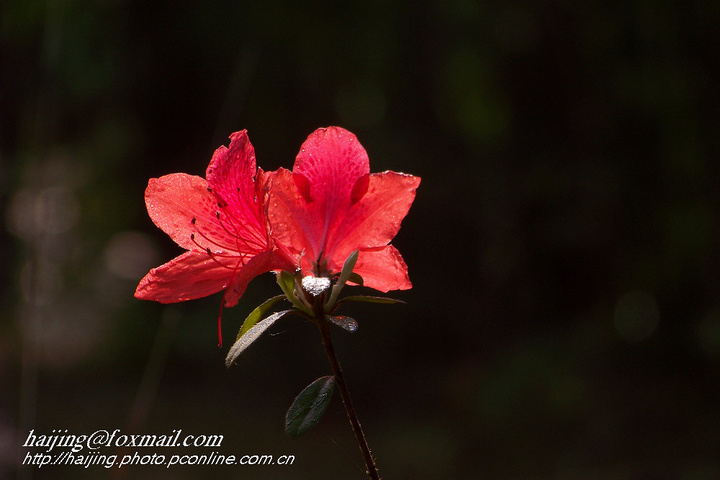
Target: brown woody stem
point(372, 470)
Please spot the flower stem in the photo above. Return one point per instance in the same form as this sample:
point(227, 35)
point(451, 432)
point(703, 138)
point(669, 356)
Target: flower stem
point(372, 470)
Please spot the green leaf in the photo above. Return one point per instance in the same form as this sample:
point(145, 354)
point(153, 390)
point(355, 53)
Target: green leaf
point(309, 406)
point(344, 276)
point(287, 284)
point(370, 299)
point(355, 278)
point(257, 314)
point(251, 335)
point(347, 323)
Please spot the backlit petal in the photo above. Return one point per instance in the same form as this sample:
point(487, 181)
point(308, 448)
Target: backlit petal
point(383, 269)
point(375, 219)
point(230, 176)
point(191, 275)
point(259, 264)
point(363, 213)
point(332, 159)
point(293, 221)
point(182, 207)
point(326, 171)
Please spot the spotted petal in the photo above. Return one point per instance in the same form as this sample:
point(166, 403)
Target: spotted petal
point(181, 205)
point(233, 177)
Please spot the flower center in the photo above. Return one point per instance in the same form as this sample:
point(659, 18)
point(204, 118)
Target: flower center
point(315, 285)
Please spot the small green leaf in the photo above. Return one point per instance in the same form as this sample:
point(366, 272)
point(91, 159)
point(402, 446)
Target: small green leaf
point(370, 299)
point(309, 406)
point(287, 284)
point(344, 276)
point(347, 323)
point(251, 335)
point(257, 314)
point(355, 278)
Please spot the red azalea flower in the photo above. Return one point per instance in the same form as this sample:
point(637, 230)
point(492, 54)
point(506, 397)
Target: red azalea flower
point(220, 221)
point(331, 205)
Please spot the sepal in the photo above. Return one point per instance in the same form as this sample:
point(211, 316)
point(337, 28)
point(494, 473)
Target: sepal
point(287, 283)
point(344, 276)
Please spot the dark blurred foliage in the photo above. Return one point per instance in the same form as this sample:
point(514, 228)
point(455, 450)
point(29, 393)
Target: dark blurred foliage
point(564, 321)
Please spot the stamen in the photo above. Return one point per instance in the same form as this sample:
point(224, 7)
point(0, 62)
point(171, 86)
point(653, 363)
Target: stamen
point(240, 238)
point(241, 233)
point(240, 264)
point(213, 255)
point(259, 242)
point(252, 244)
point(219, 245)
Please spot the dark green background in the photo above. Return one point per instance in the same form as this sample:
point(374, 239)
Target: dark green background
point(564, 321)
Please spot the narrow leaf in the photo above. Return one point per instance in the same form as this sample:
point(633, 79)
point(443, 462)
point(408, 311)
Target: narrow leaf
point(344, 276)
point(370, 299)
point(251, 335)
point(257, 314)
point(309, 406)
point(347, 323)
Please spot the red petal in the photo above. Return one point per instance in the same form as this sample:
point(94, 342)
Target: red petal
point(182, 207)
point(375, 219)
point(360, 188)
point(231, 177)
point(233, 168)
point(292, 220)
point(189, 276)
point(340, 217)
point(259, 264)
point(383, 269)
point(303, 186)
point(327, 168)
point(305, 205)
point(332, 160)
